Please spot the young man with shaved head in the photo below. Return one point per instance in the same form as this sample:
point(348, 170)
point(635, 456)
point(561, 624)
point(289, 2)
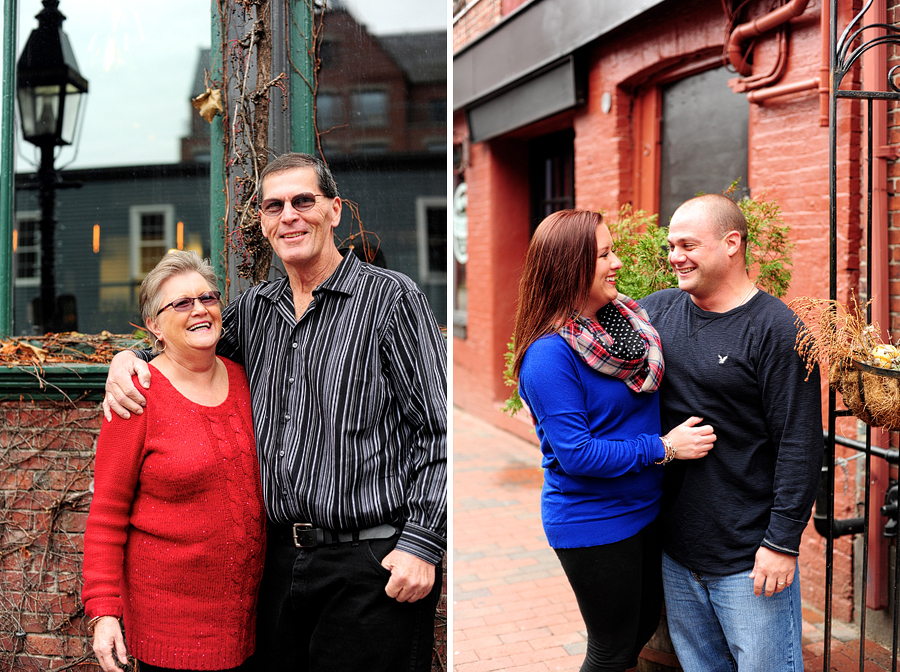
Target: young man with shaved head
point(732, 521)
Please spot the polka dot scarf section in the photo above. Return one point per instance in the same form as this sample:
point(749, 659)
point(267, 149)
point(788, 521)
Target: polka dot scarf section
point(623, 344)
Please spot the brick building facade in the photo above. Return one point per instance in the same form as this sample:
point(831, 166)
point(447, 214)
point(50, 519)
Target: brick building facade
point(625, 103)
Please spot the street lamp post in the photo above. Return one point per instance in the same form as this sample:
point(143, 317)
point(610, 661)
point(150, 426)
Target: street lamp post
point(49, 88)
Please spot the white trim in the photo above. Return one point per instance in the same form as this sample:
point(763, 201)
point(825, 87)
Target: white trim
point(35, 281)
point(134, 220)
point(423, 203)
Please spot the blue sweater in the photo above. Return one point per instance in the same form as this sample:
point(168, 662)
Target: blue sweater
point(599, 441)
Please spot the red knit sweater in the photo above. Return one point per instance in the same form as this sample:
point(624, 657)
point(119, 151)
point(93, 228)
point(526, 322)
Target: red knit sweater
point(175, 537)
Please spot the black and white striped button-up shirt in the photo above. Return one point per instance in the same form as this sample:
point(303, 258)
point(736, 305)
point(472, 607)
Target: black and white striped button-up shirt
point(349, 403)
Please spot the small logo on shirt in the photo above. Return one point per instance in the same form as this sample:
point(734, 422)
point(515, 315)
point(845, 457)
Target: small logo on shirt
point(722, 359)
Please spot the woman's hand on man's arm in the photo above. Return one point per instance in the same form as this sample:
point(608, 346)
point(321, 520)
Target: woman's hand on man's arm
point(692, 440)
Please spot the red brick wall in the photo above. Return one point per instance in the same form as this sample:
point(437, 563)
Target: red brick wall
point(510, 5)
point(46, 458)
point(498, 211)
point(353, 51)
point(475, 19)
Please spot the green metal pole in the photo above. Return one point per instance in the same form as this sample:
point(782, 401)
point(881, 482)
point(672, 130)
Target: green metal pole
point(303, 136)
point(7, 163)
point(218, 250)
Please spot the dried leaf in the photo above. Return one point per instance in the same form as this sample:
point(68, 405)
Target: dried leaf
point(209, 103)
point(40, 353)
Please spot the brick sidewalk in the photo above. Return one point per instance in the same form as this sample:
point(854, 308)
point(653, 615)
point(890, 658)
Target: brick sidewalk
point(513, 609)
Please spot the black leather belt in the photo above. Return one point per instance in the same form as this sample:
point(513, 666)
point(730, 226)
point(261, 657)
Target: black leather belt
point(307, 536)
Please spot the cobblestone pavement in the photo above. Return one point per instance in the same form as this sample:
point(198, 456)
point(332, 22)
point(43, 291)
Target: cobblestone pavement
point(513, 609)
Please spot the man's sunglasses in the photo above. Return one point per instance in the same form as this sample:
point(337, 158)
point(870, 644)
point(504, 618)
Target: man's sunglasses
point(187, 303)
point(301, 203)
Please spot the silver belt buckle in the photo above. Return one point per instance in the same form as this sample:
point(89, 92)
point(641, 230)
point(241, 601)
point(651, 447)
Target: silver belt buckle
point(302, 527)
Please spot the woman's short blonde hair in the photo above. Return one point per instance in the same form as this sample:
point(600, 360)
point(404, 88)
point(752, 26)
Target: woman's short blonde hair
point(176, 262)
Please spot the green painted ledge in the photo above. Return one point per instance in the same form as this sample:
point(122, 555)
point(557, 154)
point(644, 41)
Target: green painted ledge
point(73, 366)
point(72, 382)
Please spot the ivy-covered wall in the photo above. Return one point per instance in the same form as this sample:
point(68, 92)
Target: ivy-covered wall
point(46, 462)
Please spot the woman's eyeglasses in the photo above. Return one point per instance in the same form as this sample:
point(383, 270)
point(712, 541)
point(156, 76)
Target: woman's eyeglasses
point(187, 303)
point(301, 203)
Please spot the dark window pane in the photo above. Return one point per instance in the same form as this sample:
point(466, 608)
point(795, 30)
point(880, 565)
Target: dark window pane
point(27, 265)
point(704, 139)
point(28, 233)
point(329, 111)
point(437, 239)
point(370, 108)
point(152, 226)
point(150, 256)
point(438, 110)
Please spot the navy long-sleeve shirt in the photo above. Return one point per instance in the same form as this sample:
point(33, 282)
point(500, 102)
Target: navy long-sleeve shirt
point(738, 371)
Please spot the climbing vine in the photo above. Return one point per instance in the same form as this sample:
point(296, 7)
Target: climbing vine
point(244, 115)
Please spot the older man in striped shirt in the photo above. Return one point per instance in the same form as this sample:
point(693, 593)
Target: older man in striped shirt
point(347, 371)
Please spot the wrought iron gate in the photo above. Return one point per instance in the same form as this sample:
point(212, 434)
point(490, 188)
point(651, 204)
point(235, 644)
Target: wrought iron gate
point(846, 50)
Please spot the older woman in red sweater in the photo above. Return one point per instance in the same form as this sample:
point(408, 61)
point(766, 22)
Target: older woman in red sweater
point(175, 537)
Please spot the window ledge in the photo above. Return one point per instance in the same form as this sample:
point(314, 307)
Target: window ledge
point(67, 366)
point(69, 381)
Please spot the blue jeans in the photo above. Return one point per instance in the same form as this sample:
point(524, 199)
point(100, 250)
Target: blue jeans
point(718, 625)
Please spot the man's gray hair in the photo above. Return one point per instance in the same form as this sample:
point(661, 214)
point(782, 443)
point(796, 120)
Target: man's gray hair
point(292, 160)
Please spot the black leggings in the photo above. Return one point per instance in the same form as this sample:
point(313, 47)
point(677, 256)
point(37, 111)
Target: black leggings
point(619, 591)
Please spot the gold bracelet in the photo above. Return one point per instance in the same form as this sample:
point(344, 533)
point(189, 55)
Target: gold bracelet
point(671, 451)
point(93, 623)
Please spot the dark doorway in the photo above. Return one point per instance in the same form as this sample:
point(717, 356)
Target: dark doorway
point(551, 166)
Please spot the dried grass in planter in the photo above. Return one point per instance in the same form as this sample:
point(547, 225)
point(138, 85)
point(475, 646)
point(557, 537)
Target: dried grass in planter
point(872, 393)
point(838, 338)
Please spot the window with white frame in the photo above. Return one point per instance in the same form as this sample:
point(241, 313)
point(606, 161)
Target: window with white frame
point(431, 222)
point(152, 235)
point(27, 247)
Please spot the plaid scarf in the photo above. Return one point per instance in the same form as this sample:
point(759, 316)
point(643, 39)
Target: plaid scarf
point(592, 343)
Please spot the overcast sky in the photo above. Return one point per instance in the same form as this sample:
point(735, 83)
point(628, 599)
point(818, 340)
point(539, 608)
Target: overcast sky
point(139, 59)
point(383, 17)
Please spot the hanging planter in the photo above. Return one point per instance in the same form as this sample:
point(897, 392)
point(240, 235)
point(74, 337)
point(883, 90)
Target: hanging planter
point(872, 393)
point(863, 369)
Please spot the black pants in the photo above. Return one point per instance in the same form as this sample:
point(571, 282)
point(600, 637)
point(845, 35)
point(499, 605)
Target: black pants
point(619, 591)
point(247, 666)
point(324, 609)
